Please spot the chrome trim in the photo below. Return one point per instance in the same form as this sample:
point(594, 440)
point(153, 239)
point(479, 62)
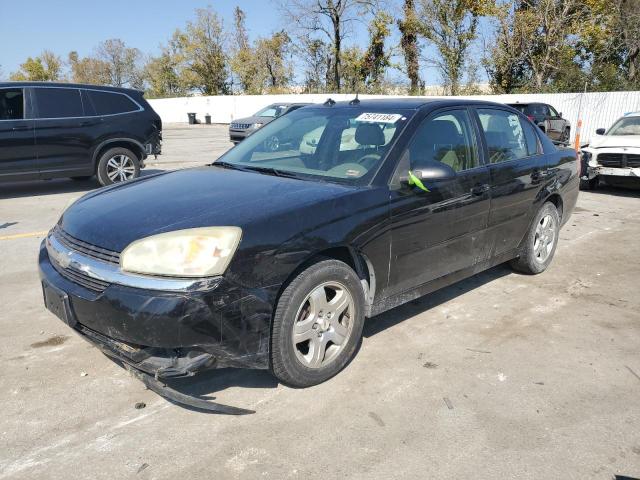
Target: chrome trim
point(107, 272)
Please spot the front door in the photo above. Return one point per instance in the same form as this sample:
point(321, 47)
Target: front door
point(439, 231)
point(63, 141)
point(17, 145)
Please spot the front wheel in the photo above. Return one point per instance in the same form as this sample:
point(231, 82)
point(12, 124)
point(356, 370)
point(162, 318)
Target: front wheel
point(117, 165)
point(318, 324)
point(540, 243)
point(591, 184)
point(566, 134)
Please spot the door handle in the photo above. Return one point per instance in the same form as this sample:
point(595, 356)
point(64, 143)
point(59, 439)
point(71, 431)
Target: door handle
point(21, 127)
point(480, 189)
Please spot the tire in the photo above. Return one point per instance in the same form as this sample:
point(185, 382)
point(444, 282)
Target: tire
point(313, 357)
point(111, 159)
point(591, 184)
point(539, 245)
point(566, 134)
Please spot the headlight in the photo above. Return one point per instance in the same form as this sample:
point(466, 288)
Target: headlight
point(256, 126)
point(197, 252)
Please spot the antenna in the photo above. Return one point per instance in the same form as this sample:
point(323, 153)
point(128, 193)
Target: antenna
point(355, 101)
point(331, 102)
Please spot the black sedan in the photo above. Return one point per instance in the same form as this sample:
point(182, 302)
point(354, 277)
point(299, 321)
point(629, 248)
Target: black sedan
point(273, 260)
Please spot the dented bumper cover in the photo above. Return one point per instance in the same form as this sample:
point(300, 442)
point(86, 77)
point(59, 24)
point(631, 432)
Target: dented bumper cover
point(165, 333)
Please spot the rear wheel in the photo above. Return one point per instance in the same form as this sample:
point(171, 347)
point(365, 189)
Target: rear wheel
point(540, 243)
point(318, 324)
point(118, 165)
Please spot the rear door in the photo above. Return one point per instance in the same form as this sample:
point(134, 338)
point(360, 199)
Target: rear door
point(441, 231)
point(63, 133)
point(556, 124)
point(17, 143)
point(517, 172)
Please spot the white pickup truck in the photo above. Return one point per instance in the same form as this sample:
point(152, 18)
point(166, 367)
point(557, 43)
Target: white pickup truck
point(614, 154)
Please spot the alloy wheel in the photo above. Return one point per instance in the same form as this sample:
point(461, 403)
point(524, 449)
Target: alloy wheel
point(323, 325)
point(545, 238)
point(120, 168)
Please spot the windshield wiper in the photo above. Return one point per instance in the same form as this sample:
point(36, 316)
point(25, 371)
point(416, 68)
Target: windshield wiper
point(272, 171)
point(224, 164)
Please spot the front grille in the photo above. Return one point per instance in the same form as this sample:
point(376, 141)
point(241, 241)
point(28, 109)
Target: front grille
point(619, 160)
point(85, 248)
point(81, 278)
point(240, 126)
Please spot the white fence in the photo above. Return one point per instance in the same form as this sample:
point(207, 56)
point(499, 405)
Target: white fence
point(598, 109)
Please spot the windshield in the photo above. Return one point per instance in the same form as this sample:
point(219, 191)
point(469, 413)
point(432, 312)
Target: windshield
point(626, 126)
point(272, 111)
point(342, 144)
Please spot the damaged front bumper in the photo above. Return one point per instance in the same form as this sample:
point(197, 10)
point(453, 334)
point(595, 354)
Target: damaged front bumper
point(158, 334)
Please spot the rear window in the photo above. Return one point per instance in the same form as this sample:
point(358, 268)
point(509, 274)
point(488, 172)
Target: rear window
point(520, 108)
point(110, 103)
point(11, 104)
point(58, 102)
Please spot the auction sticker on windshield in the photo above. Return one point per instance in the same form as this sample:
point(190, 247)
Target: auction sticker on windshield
point(379, 117)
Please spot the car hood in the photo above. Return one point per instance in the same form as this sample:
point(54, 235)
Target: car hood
point(615, 141)
point(114, 217)
point(252, 120)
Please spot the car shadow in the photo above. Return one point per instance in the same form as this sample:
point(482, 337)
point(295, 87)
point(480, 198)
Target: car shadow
point(55, 186)
point(420, 305)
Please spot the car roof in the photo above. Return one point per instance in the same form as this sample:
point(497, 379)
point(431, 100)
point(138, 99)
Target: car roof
point(412, 103)
point(65, 84)
point(632, 114)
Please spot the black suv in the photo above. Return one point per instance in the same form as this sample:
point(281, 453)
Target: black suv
point(51, 130)
point(547, 118)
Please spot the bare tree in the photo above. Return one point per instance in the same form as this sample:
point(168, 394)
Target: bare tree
point(328, 18)
point(629, 14)
point(121, 63)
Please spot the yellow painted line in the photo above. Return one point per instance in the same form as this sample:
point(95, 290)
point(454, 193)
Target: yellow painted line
point(24, 235)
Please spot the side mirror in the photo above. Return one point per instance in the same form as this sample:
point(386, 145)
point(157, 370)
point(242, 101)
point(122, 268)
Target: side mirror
point(431, 171)
point(600, 131)
point(560, 115)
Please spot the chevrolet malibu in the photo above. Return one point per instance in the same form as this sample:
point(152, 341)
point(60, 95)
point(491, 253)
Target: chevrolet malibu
point(273, 260)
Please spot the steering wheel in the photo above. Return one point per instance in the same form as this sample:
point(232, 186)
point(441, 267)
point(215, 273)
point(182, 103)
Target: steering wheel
point(369, 160)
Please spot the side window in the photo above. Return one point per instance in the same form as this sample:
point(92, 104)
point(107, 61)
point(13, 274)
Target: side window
point(110, 103)
point(530, 138)
point(552, 112)
point(58, 102)
point(445, 137)
point(504, 134)
point(11, 104)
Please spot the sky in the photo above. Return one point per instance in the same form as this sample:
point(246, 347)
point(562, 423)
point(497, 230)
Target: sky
point(65, 25)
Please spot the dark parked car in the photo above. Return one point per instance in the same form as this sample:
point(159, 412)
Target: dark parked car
point(241, 128)
point(547, 118)
point(273, 260)
point(51, 130)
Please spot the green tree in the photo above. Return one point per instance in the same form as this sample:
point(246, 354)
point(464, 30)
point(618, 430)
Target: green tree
point(316, 57)
point(88, 70)
point(376, 59)
point(409, 27)
point(164, 75)
point(202, 45)
point(45, 67)
point(243, 60)
point(451, 26)
point(272, 55)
